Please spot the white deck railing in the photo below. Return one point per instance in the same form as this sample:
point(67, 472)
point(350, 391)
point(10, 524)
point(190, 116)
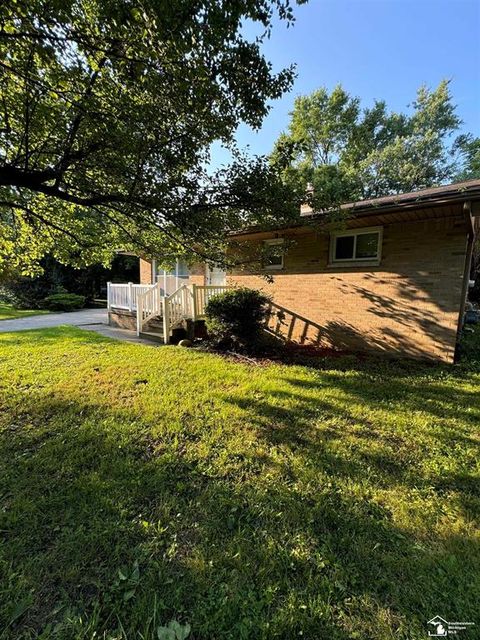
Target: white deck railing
point(177, 306)
point(150, 304)
point(125, 296)
point(187, 302)
point(202, 295)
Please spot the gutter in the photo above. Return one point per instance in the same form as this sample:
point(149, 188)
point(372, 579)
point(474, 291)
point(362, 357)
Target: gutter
point(467, 211)
point(357, 209)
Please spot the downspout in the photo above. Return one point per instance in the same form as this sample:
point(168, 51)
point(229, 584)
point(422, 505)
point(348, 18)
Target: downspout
point(467, 210)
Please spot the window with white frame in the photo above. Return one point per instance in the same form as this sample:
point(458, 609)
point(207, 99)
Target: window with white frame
point(359, 245)
point(171, 279)
point(273, 253)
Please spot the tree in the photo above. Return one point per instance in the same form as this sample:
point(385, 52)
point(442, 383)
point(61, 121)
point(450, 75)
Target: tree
point(108, 108)
point(90, 281)
point(468, 149)
point(353, 153)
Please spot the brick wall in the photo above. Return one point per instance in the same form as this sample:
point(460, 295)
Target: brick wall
point(407, 305)
point(197, 274)
point(145, 271)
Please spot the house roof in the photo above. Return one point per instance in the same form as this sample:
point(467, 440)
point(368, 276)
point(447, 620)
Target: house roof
point(457, 191)
point(393, 205)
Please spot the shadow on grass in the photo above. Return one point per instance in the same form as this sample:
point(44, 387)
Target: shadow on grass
point(381, 454)
point(258, 549)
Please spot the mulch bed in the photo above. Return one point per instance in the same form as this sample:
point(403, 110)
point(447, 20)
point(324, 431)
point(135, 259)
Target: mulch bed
point(290, 353)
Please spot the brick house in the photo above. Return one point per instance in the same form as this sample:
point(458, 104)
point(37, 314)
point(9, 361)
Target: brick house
point(394, 279)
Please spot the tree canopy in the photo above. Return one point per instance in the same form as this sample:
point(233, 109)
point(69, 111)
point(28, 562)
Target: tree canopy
point(350, 153)
point(107, 112)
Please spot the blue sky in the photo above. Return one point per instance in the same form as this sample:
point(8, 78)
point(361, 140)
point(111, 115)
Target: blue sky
point(382, 49)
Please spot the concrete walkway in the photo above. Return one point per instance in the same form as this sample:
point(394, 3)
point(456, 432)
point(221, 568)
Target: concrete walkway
point(74, 318)
point(119, 334)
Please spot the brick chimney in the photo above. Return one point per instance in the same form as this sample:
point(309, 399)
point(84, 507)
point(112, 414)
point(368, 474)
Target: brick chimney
point(306, 209)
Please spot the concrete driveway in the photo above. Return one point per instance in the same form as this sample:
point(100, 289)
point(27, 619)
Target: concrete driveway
point(75, 318)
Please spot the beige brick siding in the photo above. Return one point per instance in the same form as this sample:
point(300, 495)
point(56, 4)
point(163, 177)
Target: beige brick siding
point(407, 305)
point(197, 274)
point(145, 271)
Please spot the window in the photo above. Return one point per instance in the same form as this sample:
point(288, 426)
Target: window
point(171, 279)
point(362, 245)
point(182, 268)
point(273, 254)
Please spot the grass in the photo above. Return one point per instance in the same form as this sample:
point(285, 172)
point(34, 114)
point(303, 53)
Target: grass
point(9, 312)
point(141, 486)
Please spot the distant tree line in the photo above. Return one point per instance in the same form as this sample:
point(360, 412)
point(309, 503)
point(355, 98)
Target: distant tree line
point(350, 153)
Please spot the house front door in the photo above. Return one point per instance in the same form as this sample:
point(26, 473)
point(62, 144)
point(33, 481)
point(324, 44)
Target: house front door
point(216, 276)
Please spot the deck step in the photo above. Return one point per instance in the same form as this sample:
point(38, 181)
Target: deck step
point(154, 336)
point(154, 324)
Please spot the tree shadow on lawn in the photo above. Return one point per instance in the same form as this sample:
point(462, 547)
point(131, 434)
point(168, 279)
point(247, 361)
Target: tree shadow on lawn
point(362, 448)
point(254, 549)
point(387, 457)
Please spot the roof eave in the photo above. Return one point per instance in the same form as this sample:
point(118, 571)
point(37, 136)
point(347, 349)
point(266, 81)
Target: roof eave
point(371, 209)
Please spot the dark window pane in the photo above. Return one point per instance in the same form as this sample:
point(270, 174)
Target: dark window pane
point(274, 260)
point(344, 248)
point(273, 256)
point(367, 245)
point(182, 268)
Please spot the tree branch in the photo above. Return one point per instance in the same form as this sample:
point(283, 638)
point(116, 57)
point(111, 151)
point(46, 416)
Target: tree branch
point(35, 181)
point(75, 125)
point(46, 222)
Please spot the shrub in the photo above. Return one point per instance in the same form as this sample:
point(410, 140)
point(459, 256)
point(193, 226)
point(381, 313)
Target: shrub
point(235, 318)
point(25, 293)
point(64, 301)
point(8, 297)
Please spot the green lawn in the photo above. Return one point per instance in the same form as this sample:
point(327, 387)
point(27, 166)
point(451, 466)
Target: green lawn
point(142, 485)
point(8, 312)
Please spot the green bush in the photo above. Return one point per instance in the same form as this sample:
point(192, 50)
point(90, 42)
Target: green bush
point(9, 297)
point(24, 293)
point(235, 318)
point(64, 301)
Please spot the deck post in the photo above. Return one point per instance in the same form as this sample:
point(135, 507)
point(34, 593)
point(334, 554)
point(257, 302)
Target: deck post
point(166, 320)
point(130, 296)
point(139, 315)
point(109, 292)
point(194, 302)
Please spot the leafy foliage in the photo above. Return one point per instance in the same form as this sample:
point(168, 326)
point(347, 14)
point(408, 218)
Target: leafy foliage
point(349, 153)
point(235, 318)
point(64, 301)
point(469, 149)
point(90, 281)
point(174, 631)
point(108, 109)
point(27, 293)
